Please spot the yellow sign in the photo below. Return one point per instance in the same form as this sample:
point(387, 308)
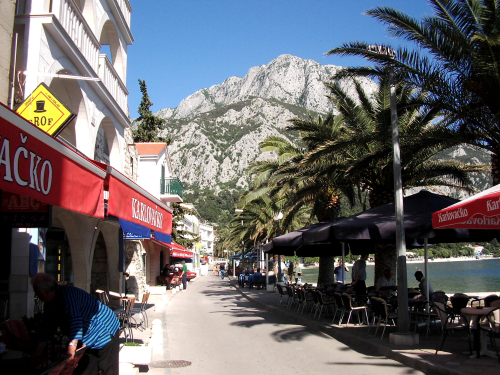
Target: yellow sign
point(45, 111)
point(198, 245)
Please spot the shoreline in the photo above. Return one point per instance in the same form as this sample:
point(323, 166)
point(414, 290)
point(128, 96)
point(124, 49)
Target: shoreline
point(421, 260)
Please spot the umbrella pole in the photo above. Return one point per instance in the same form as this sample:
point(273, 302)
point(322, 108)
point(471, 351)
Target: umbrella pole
point(426, 268)
point(343, 262)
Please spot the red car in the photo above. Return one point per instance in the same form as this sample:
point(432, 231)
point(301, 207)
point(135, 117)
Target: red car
point(175, 270)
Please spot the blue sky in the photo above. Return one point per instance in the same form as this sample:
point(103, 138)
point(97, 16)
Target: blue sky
point(182, 46)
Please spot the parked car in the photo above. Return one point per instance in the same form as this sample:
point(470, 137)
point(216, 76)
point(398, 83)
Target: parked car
point(176, 268)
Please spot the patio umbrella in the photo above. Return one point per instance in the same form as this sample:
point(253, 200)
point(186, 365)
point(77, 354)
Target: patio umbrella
point(481, 211)
point(379, 224)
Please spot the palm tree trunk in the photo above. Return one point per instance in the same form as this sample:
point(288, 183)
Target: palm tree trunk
point(385, 254)
point(325, 272)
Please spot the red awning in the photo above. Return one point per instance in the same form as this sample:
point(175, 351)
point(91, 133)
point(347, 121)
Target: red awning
point(36, 165)
point(481, 211)
point(129, 201)
point(177, 251)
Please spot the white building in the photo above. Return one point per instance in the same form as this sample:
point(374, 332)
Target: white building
point(207, 238)
point(155, 172)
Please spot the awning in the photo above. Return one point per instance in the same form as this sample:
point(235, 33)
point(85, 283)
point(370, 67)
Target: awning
point(177, 251)
point(133, 231)
point(481, 211)
point(130, 202)
point(36, 165)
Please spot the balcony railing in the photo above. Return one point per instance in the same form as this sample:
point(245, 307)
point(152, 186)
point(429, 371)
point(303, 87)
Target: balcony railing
point(113, 82)
point(79, 31)
point(126, 9)
point(171, 186)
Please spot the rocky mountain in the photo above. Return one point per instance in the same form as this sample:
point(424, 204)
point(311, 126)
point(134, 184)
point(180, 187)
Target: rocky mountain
point(217, 131)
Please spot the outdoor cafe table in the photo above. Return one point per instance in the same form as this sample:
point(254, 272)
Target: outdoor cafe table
point(474, 315)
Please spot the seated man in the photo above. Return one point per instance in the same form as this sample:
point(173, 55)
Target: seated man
point(258, 273)
point(423, 285)
point(385, 286)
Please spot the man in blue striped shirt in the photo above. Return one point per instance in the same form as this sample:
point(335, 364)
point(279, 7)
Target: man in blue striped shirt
point(83, 319)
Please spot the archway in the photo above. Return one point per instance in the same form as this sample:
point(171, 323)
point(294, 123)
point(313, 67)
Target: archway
point(99, 278)
point(107, 148)
point(111, 46)
point(69, 92)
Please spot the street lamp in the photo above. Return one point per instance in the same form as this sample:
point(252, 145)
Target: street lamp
point(239, 211)
point(278, 218)
point(403, 316)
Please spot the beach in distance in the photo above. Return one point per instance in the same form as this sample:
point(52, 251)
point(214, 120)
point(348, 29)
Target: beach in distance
point(454, 275)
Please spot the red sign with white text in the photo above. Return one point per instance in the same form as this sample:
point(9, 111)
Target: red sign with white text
point(36, 165)
point(128, 203)
point(481, 211)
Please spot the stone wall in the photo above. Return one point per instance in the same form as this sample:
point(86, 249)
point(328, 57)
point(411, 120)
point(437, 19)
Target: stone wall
point(134, 266)
point(130, 155)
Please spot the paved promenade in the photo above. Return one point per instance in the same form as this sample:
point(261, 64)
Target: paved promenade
point(194, 334)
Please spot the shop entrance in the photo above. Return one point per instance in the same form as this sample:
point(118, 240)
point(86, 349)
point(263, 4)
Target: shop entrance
point(100, 275)
point(58, 256)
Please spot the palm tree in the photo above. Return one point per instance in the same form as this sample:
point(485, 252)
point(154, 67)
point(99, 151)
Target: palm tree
point(366, 146)
point(456, 61)
point(295, 187)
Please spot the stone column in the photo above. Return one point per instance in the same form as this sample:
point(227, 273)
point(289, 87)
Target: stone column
point(21, 295)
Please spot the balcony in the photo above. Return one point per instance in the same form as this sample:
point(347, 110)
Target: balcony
point(121, 9)
point(171, 190)
point(113, 82)
point(78, 30)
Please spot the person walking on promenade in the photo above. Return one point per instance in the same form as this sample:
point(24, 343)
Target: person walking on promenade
point(84, 320)
point(222, 270)
point(184, 275)
point(359, 275)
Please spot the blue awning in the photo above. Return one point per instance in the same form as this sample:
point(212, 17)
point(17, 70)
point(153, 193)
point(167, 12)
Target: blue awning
point(134, 231)
point(163, 237)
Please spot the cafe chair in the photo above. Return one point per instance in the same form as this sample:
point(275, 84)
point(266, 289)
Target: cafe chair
point(305, 299)
point(348, 307)
point(386, 317)
point(340, 308)
point(292, 296)
point(281, 293)
point(322, 302)
point(142, 311)
point(446, 317)
point(124, 315)
point(56, 368)
point(492, 325)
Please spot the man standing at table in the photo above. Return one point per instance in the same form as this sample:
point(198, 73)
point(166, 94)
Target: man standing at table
point(184, 275)
point(339, 272)
point(359, 275)
point(83, 319)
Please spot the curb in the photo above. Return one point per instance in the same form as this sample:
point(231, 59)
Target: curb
point(406, 359)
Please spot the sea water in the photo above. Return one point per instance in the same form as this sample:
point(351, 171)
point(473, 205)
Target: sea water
point(468, 276)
